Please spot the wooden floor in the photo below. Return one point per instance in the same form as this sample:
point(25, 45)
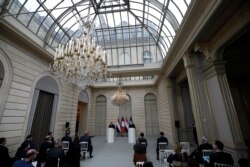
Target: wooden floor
point(118, 154)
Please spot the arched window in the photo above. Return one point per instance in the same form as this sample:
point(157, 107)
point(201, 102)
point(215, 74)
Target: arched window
point(124, 59)
point(151, 114)
point(147, 58)
point(100, 116)
point(1, 73)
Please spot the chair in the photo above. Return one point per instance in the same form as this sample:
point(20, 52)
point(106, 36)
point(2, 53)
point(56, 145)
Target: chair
point(167, 153)
point(162, 148)
point(139, 164)
point(65, 146)
point(144, 143)
point(185, 147)
point(207, 152)
point(222, 165)
point(84, 148)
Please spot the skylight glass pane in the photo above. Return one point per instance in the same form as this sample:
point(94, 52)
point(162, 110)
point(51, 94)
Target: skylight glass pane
point(31, 6)
point(167, 24)
point(175, 11)
point(181, 5)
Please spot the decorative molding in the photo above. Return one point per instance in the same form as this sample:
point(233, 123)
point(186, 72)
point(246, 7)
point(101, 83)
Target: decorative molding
point(203, 49)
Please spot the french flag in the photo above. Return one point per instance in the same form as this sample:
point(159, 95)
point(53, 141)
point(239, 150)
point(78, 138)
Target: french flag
point(126, 124)
point(123, 127)
point(118, 126)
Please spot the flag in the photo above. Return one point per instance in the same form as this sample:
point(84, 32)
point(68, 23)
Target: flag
point(118, 126)
point(123, 128)
point(126, 124)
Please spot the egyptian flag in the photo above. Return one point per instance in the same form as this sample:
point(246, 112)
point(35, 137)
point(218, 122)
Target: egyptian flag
point(118, 126)
point(126, 124)
point(123, 127)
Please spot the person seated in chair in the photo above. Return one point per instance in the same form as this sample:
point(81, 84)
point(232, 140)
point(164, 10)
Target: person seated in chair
point(142, 139)
point(219, 156)
point(161, 139)
point(86, 138)
point(139, 152)
point(67, 137)
point(179, 158)
point(195, 158)
point(27, 161)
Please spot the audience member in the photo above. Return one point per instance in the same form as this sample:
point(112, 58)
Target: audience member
point(67, 137)
point(52, 138)
point(219, 156)
point(178, 158)
point(139, 152)
point(142, 139)
point(27, 161)
point(86, 138)
point(29, 140)
point(46, 145)
point(73, 155)
point(111, 125)
point(21, 151)
point(161, 139)
point(5, 159)
point(195, 158)
point(53, 154)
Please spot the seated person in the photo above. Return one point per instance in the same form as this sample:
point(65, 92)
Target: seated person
point(53, 154)
point(21, 151)
point(219, 156)
point(139, 152)
point(195, 158)
point(111, 125)
point(178, 159)
point(161, 139)
point(67, 137)
point(27, 161)
point(86, 138)
point(142, 139)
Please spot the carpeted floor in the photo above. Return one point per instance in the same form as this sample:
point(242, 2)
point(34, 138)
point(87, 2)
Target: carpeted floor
point(118, 154)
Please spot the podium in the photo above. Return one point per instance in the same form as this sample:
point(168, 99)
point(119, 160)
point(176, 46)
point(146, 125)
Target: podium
point(110, 135)
point(131, 135)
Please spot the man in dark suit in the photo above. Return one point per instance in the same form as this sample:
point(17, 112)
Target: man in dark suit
point(67, 138)
point(142, 139)
point(195, 158)
point(139, 152)
point(45, 146)
point(86, 138)
point(111, 125)
point(5, 159)
point(219, 156)
point(161, 139)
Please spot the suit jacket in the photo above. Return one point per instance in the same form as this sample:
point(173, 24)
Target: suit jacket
point(221, 157)
point(67, 138)
point(143, 140)
point(5, 159)
point(161, 140)
point(86, 139)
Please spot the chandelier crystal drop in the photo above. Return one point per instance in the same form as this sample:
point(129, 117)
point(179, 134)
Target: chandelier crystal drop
point(120, 97)
point(81, 61)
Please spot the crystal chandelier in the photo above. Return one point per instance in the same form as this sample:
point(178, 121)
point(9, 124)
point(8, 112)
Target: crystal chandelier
point(81, 61)
point(120, 97)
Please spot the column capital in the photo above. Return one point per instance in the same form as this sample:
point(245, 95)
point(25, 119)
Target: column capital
point(202, 48)
point(214, 68)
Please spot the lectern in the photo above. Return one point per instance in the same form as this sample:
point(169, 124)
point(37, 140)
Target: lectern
point(131, 135)
point(110, 135)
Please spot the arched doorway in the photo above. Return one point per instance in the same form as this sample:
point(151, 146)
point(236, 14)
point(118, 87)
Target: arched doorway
point(43, 109)
point(82, 113)
point(151, 114)
point(100, 115)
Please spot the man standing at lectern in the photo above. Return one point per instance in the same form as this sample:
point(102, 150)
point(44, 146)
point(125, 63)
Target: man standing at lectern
point(161, 139)
point(111, 125)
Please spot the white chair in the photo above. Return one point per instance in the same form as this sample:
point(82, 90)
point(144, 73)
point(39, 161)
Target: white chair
point(185, 147)
point(167, 153)
point(222, 165)
point(144, 143)
point(162, 148)
point(84, 149)
point(139, 164)
point(65, 146)
point(207, 152)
